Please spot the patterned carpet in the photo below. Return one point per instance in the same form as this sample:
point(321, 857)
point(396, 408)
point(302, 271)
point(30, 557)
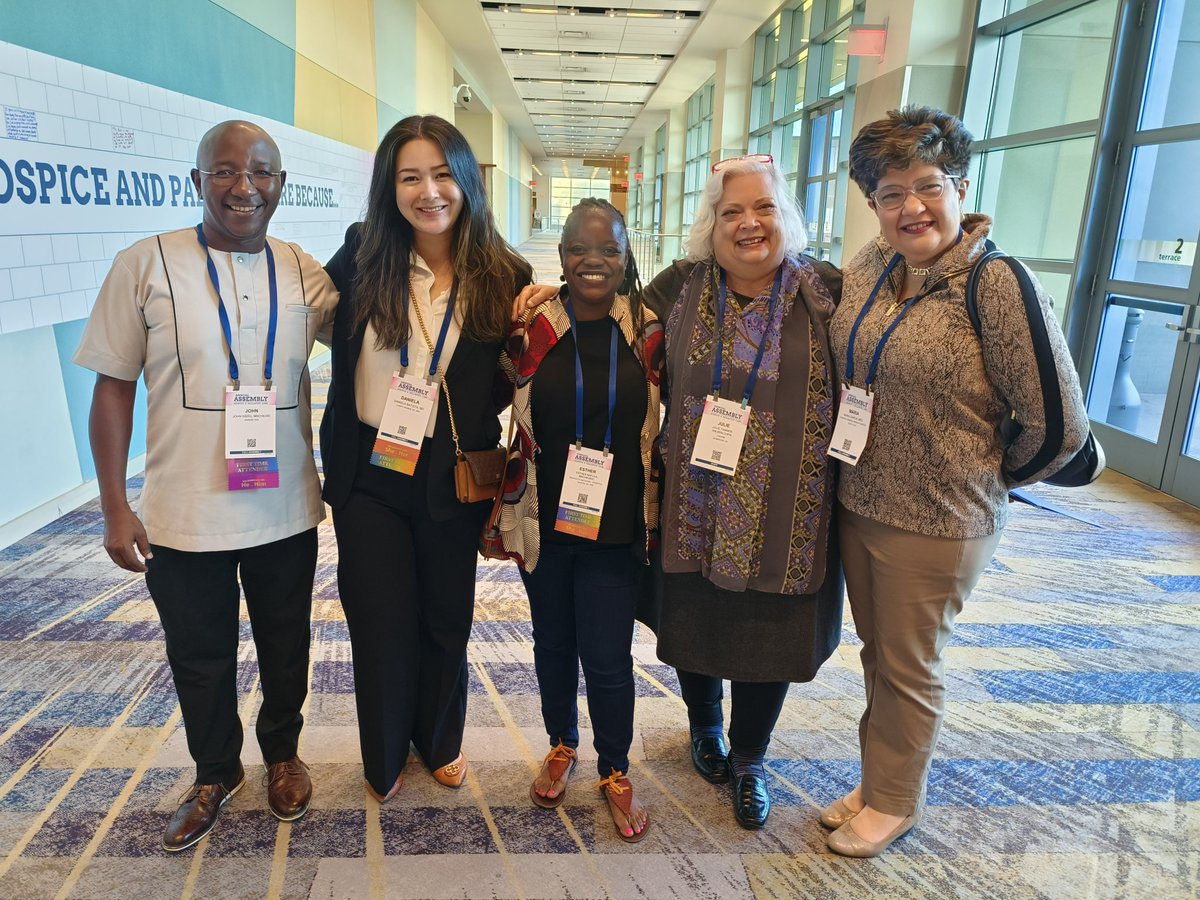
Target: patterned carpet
point(1069, 765)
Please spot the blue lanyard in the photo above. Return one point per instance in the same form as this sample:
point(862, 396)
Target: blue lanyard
point(719, 328)
point(224, 316)
point(862, 314)
point(612, 382)
point(441, 341)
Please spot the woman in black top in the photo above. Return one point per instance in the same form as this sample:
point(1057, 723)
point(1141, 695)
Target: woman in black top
point(586, 407)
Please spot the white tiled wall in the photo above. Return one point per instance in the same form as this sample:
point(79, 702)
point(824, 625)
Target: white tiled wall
point(47, 278)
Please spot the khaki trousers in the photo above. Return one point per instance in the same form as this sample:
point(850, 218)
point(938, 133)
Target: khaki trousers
point(905, 590)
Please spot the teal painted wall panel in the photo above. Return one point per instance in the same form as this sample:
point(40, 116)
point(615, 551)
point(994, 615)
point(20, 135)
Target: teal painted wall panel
point(77, 385)
point(191, 46)
point(275, 18)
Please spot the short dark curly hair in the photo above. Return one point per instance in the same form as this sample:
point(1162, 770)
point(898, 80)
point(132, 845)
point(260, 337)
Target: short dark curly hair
point(910, 136)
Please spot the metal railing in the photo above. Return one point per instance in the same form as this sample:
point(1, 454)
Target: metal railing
point(654, 250)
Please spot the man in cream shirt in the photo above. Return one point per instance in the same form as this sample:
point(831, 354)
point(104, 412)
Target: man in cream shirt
point(220, 321)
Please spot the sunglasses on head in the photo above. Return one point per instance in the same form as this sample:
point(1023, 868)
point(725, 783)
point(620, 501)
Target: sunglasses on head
point(764, 158)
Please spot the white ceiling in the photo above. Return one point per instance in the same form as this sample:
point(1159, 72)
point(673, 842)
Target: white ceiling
point(590, 84)
point(585, 73)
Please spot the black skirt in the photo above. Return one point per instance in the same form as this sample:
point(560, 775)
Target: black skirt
point(749, 635)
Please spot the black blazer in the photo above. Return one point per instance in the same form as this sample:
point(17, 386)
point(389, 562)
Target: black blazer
point(471, 377)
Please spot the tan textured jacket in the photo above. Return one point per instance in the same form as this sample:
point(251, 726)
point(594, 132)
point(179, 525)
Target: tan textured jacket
point(934, 463)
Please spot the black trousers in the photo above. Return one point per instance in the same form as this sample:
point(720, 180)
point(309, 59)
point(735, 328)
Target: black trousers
point(754, 709)
point(407, 585)
point(582, 598)
point(196, 594)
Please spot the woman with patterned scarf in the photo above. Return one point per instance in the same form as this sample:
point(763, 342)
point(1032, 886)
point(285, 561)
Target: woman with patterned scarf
point(750, 586)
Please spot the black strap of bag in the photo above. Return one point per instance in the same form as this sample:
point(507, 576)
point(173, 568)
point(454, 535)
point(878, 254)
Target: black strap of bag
point(1086, 465)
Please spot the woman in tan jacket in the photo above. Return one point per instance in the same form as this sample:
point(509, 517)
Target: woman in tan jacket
point(923, 493)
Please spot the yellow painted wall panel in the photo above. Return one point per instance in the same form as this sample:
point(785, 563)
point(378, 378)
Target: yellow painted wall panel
point(318, 99)
point(356, 43)
point(435, 70)
point(316, 30)
point(340, 37)
point(359, 116)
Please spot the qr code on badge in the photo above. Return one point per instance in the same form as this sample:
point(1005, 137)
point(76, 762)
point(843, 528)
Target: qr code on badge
point(251, 443)
point(716, 456)
point(847, 444)
point(401, 429)
point(581, 498)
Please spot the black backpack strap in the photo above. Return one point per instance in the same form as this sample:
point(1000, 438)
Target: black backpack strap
point(990, 252)
point(1052, 404)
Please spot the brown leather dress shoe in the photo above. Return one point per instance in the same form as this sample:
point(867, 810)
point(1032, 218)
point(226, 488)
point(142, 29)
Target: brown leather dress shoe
point(452, 774)
point(198, 812)
point(288, 789)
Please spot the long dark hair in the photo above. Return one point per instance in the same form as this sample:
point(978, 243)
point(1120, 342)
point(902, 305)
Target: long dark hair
point(631, 284)
point(488, 270)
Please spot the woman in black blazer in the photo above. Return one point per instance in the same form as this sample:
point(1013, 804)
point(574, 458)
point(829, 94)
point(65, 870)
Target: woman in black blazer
point(426, 287)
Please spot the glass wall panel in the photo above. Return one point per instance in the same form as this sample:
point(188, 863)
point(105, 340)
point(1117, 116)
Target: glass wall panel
point(1157, 241)
point(1171, 96)
point(1132, 371)
point(1035, 194)
point(835, 64)
point(1053, 72)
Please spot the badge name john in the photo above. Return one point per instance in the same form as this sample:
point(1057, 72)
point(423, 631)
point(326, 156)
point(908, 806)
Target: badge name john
point(410, 403)
point(720, 436)
point(585, 484)
point(250, 461)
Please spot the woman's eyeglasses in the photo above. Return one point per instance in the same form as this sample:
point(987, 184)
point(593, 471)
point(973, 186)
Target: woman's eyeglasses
point(764, 158)
point(260, 178)
point(893, 196)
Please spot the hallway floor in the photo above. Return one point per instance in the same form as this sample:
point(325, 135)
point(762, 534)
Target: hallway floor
point(1068, 767)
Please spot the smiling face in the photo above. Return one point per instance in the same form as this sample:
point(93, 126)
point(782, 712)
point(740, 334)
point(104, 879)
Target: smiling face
point(236, 216)
point(593, 252)
point(746, 239)
point(426, 193)
point(921, 231)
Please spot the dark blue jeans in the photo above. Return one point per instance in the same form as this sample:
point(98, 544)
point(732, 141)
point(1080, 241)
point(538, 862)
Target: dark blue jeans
point(581, 600)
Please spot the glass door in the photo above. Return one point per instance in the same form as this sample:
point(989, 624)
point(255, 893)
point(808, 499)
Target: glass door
point(1145, 330)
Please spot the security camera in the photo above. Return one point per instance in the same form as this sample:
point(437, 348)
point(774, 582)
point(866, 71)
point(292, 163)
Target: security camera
point(463, 95)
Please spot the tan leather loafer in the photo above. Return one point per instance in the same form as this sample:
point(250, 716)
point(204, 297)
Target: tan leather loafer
point(289, 789)
point(452, 774)
point(198, 812)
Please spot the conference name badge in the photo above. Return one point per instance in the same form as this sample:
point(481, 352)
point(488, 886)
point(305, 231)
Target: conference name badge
point(853, 425)
point(585, 485)
point(250, 460)
point(410, 402)
point(720, 436)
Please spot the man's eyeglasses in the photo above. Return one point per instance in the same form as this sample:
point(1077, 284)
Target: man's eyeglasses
point(764, 158)
point(260, 178)
point(893, 196)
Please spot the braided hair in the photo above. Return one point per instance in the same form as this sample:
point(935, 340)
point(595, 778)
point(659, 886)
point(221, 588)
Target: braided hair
point(631, 284)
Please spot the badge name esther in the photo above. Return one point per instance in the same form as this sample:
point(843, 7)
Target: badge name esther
point(585, 485)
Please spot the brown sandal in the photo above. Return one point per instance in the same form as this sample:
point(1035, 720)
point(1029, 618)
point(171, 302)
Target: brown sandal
point(619, 794)
point(559, 763)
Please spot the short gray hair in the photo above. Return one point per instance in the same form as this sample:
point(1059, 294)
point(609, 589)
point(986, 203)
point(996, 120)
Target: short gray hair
point(791, 225)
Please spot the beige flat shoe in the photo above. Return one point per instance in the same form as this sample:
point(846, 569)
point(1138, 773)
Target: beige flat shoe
point(837, 814)
point(847, 842)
